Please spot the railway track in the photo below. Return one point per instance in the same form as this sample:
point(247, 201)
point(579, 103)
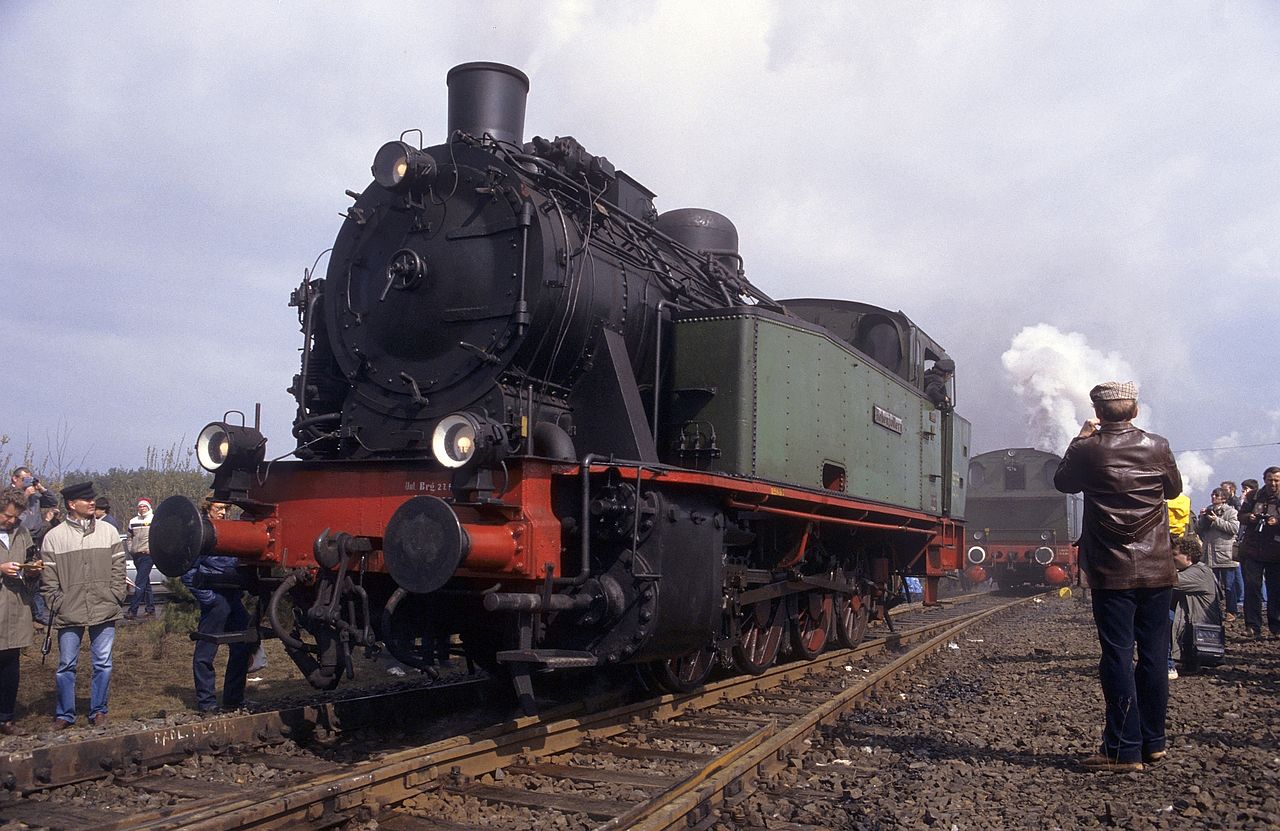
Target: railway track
point(658, 763)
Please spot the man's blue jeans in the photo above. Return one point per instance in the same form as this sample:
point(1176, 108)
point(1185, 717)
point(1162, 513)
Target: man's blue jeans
point(1232, 586)
point(142, 565)
point(1136, 697)
point(221, 611)
point(101, 638)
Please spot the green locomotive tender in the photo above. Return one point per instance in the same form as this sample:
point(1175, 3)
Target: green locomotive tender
point(830, 398)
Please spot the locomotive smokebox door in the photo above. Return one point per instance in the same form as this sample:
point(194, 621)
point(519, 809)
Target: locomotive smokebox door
point(424, 543)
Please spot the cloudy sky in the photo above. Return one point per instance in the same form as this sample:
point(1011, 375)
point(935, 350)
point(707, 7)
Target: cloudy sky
point(1057, 193)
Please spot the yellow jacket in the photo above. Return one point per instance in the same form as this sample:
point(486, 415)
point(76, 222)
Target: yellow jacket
point(1179, 514)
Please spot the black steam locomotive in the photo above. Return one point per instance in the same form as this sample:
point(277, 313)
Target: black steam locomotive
point(542, 420)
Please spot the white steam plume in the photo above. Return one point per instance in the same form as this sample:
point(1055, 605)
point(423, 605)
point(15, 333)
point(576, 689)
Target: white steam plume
point(1052, 374)
point(1197, 475)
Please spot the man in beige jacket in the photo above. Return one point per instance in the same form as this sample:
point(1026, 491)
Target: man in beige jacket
point(84, 585)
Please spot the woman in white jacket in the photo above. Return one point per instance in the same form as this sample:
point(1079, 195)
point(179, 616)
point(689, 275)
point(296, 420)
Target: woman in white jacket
point(1218, 526)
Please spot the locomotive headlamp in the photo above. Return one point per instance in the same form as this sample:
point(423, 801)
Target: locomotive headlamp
point(1043, 555)
point(976, 554)
point(461, 437)
point(397, 165)
point(220, 444)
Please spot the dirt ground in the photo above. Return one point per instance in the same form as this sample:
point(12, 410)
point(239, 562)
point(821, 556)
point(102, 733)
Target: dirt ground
point(151, 676)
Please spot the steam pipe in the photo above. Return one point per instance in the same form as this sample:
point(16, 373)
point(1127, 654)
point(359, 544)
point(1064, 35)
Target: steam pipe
point(273, 614)
point(855, 523)
point(530, 602)
point(391, 644)
point(657, 364)
point(584, 568)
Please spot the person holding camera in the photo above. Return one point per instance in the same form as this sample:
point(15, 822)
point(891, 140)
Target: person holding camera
point(29, 484)
point(1218, 525)
point(16, 629)
point(1195, 601)
point(1260, 554)
point(1126, 474)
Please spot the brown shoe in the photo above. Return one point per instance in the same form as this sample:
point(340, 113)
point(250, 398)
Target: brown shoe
point(1230, 618)
point(1154, 756)
point(60, 724)
point(100, 720)
point(1099, 762)
point(8, 728)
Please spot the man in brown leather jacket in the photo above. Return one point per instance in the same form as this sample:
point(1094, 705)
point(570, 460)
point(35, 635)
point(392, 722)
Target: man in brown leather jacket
point(1126, 475)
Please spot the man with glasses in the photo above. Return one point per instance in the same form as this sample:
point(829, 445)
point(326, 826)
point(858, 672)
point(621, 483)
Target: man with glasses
point(84, 585)
point(1260, 554)
point(31, 488)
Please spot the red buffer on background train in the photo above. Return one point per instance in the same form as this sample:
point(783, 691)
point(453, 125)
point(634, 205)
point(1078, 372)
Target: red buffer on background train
point(1021, 528)
point(541, 422)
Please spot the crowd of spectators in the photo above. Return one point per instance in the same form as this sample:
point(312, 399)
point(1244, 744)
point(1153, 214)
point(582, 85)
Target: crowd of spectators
point(64, 568)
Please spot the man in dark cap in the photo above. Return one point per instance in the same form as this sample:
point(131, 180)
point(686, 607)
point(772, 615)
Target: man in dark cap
point(1126, 475)
point(84, 584)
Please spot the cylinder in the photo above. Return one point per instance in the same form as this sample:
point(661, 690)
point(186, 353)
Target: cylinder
point(492, 547)
point(240, 537)
point(488, 98)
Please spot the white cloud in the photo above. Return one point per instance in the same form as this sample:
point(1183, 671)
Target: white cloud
point(983, 166)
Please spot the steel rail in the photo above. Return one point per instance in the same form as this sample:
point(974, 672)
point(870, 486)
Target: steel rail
point(362, 791)
point(681, 807)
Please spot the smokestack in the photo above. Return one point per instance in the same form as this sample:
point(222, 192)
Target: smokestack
point(488, 98)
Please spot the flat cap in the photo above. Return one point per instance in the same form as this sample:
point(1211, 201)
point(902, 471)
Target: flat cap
point(48, 500)
point(1114, 391)
point(80, 490)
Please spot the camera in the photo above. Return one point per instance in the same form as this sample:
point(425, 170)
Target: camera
point(28, 481)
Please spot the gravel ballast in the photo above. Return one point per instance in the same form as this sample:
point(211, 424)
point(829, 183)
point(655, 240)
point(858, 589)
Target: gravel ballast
point(990, 732)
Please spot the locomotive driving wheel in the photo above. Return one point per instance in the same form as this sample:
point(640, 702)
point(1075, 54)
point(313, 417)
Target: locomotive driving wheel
point(760, 629)
point(810, 622)
point(853, 612)
point(687, 672)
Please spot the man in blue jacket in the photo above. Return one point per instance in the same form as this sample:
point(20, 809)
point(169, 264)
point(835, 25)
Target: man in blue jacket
point(213, 582)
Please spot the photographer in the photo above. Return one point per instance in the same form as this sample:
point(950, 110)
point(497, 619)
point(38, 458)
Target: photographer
point(1195, 600)
point(1260, 553)
point(1126, 475)
point(16, 630)
point(31, 488)
point(1218, 526)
